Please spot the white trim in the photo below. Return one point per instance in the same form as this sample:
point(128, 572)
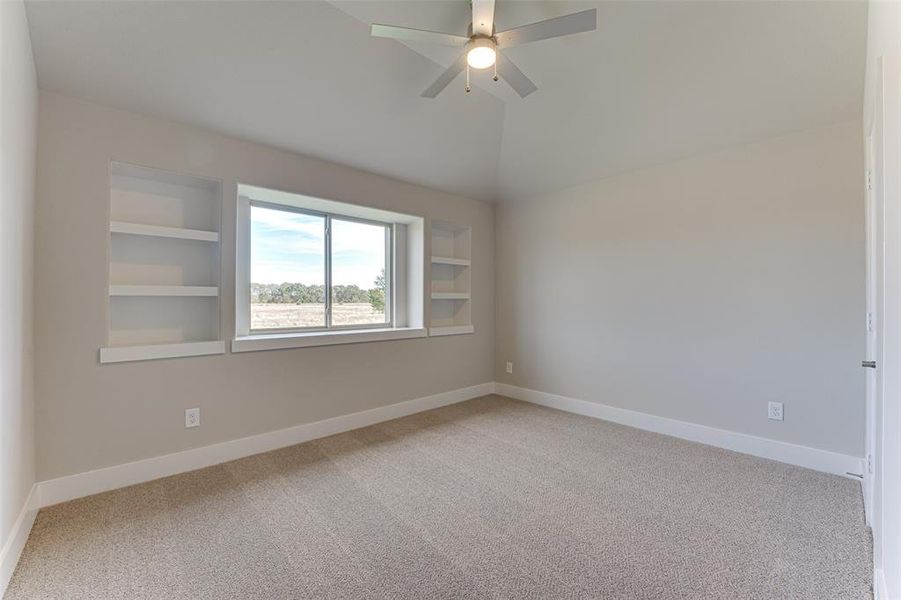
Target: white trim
point(54, 491)
point(451, 330)
point(404, 267)
point(18, 535)
point(242, 267)
point(70, 487)
point(339, 208)
point(163, 290)
point(450, 295)
point(180, 233)
point(884, 424)
point(867, 484)
point(115, 354)
point(880, 589)
point(794, 454)
point(449, 260)
point(281, 341)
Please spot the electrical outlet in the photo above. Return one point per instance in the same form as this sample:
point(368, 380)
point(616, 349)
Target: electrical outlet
point(192, 417)
point(774, 411)
point(509, 367)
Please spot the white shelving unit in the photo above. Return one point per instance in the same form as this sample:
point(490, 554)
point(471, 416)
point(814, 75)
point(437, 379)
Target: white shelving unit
point(447, 260)
point(451, 312)
point(450, 295)
point(163, 265)
point(160, 231)
point(163, 290)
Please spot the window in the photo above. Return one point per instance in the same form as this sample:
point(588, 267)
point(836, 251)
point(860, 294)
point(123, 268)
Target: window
point(313, 272)
point(317, 270)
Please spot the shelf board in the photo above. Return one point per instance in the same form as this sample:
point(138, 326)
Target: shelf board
point(447, 260)
point(450, 295)
point(451, 330)
point(116, 354)
point(165, 232)
point(163, 290)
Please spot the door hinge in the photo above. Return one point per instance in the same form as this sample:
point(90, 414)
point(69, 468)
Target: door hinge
point(869, 180)
point(869, 322)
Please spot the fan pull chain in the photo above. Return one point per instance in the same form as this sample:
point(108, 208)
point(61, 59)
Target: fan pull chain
point(468, 89)
point(495, 68)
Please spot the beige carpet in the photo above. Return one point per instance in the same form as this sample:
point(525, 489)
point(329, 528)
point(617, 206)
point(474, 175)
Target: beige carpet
point(491, 498)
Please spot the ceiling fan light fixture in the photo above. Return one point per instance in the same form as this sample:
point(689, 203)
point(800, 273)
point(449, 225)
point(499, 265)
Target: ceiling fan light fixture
point(479, 46)
point(481, 53)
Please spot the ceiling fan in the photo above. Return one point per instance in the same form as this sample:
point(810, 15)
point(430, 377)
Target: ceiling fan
point(483, 45)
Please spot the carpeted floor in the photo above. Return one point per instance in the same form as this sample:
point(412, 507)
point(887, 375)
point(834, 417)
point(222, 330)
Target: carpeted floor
point(490, 498)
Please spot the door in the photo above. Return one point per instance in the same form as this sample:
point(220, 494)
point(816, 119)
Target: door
point(883, 435)
point(874, 307)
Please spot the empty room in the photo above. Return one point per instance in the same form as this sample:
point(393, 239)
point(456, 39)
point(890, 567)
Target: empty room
point(450, 299)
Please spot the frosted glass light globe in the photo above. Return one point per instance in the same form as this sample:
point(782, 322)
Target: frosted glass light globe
point(481, 57)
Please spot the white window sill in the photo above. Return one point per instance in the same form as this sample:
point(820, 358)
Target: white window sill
point(280, 341)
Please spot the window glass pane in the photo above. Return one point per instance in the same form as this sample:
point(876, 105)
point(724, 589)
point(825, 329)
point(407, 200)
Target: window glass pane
point(359, 289)
point(287, 269)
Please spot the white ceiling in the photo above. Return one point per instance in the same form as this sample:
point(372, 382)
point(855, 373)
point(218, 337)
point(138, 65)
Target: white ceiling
point(657, 81)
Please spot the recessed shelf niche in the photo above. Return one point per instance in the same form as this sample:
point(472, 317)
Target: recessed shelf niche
point(451, 312)
point(163, 265)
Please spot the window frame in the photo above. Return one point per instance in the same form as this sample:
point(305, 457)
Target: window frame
point(328, 217)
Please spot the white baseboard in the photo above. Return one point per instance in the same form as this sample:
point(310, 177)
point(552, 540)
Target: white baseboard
point(880, 591)
point(867, 496)
point(54, 491)
point(18, 535)
point(802, 456)
point(58, 490)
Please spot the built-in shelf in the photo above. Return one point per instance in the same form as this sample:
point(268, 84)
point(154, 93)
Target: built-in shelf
point(450, 311)
point(449, 260)
point(161, 231)
point(164, 265)
point(451, 330)
point(163, 290)
point(156, 351)
point(450, 295)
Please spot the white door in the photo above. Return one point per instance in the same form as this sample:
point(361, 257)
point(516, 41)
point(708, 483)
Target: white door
point(883, 477)
point(875, 209)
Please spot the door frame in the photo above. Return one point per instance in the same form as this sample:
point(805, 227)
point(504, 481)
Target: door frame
point(882, 477)
point(874, 217)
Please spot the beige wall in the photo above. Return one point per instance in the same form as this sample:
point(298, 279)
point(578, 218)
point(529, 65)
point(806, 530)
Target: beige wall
point(91, 416)
point(699, 290)
point(18, 124)
point(883, 39)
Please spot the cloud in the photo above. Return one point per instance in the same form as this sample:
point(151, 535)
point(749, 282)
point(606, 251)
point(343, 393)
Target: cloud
point(290, 247)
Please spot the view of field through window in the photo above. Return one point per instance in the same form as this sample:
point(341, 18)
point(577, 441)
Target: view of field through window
point(288, 271)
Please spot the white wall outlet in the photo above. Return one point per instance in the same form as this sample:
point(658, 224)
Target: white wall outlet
point(509, 367)
point(774, 411)
point(192, 417)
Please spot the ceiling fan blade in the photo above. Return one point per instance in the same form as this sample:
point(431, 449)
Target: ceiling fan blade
point(512, 75)
point(417, 35)
point(445, 78)
point(483, 17)
point(587, 20)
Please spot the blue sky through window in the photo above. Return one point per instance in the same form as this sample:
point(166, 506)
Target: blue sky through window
point(290, 247)
point(358, 253)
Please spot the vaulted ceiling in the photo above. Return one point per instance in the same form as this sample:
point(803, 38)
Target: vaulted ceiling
point(657, 81)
